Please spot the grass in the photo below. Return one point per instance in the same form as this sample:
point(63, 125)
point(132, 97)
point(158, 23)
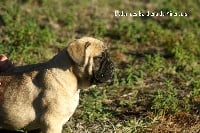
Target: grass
point(157, 84)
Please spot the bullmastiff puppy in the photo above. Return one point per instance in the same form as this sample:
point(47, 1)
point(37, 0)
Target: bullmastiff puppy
point(45, 95)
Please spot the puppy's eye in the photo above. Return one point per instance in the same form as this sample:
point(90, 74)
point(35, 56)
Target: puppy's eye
point(98, 58)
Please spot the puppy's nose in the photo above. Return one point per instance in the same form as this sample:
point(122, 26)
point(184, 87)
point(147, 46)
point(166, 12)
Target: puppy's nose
point(112, 67)
point(109, 71)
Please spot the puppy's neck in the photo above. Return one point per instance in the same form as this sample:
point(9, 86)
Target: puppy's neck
point(61, 61)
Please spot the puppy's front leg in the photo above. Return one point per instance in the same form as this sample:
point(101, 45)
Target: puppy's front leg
point(51, 128)
point(51, 124)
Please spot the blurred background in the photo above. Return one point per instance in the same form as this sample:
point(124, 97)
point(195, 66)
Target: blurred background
point(157, 82)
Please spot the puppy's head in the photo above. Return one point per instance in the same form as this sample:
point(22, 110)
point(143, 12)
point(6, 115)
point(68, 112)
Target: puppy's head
point(92, 63)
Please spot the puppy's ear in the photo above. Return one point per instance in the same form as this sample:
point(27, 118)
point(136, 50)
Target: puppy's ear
point(77, 51)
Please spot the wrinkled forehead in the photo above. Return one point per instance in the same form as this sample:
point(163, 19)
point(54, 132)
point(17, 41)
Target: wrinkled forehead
point(96, 47)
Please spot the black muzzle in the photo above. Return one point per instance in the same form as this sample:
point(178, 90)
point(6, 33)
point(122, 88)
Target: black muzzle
point(105, 72)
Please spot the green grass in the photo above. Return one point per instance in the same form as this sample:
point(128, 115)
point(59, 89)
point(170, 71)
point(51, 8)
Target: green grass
point(157, 84)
